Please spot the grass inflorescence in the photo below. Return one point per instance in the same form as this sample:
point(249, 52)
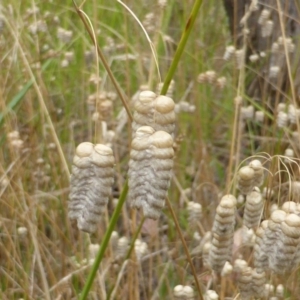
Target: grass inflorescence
point(166, 134)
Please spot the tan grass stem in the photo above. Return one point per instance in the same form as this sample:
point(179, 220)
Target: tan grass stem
point(82, 16)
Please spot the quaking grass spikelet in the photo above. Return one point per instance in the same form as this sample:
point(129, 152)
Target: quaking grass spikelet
point(223, 228)
point(286, 246)
point(245, 180)
point(155, 111)
point(90, 184)
point(253, 208)
point(150, 170)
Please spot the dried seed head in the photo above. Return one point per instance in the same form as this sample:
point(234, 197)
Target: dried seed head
point(258, 283)
point(264, 16)
point(259, 116)
point(230, 50)
point(195, 212)
point(178, 291)
point(260, 254)
point(64, 35)
point(114, 240)
point(211, 76)
point(254, 57)
point(245, 180)
point(274, 71)
point(211, 295)
point(184, 106)
point(290, 207)
point(278, 242)
point(253, 208)
point(280, 290)
point(268, 290)
point(123, 244)
point(248, 236)
point(22, 232)
point(93, 250)
point(293, 114)
point(221, 82)
point(223, 227)
point(90, 184)
point(267, 29)
point(13, 135)
point(140, 248)
point(258, 172)
point(247, 112)
point(239, 265)
point(224, 218)
point(227, 269)
point(188, 292)
point(205, 253)
point(245, 283)
point(155, 111)
point(282, 119)
point(150, 170)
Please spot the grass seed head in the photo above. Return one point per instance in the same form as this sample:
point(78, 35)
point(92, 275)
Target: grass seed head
point(253, 208)
point(245, 180)
point(90, 184)
point(150, 170)
point(155, 111)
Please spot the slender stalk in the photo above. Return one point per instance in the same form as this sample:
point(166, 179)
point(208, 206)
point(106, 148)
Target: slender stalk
point(104, 243)
point(185, 35)
point(82, 15)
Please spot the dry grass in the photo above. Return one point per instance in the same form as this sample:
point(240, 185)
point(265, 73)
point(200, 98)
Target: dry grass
point(53, 96)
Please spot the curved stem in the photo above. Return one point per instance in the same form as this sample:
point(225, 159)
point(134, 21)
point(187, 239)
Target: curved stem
point(104, 62)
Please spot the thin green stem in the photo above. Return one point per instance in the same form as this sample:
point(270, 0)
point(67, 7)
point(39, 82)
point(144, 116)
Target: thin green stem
point(182, 43)
point(105, 242)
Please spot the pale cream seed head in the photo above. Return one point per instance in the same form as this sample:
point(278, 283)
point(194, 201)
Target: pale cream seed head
point(103, 156)
point(141, 140)
point(228, 201)
point(22, 231)
point(93, 250)
point(162, 139)
point(147, 96)
point(246, 173)
point(84, 149)
point(178, 290)
point(188, 292)
point(278, 216)
point(227, 269)
point(164, 104)
point(211, 295)
point(289, 207)
point(13, 135)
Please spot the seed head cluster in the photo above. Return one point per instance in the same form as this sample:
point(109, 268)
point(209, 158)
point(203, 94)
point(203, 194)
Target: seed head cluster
point(90, 184)
point(150, 170)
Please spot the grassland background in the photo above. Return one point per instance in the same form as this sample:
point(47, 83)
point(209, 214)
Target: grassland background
point(34, 184)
